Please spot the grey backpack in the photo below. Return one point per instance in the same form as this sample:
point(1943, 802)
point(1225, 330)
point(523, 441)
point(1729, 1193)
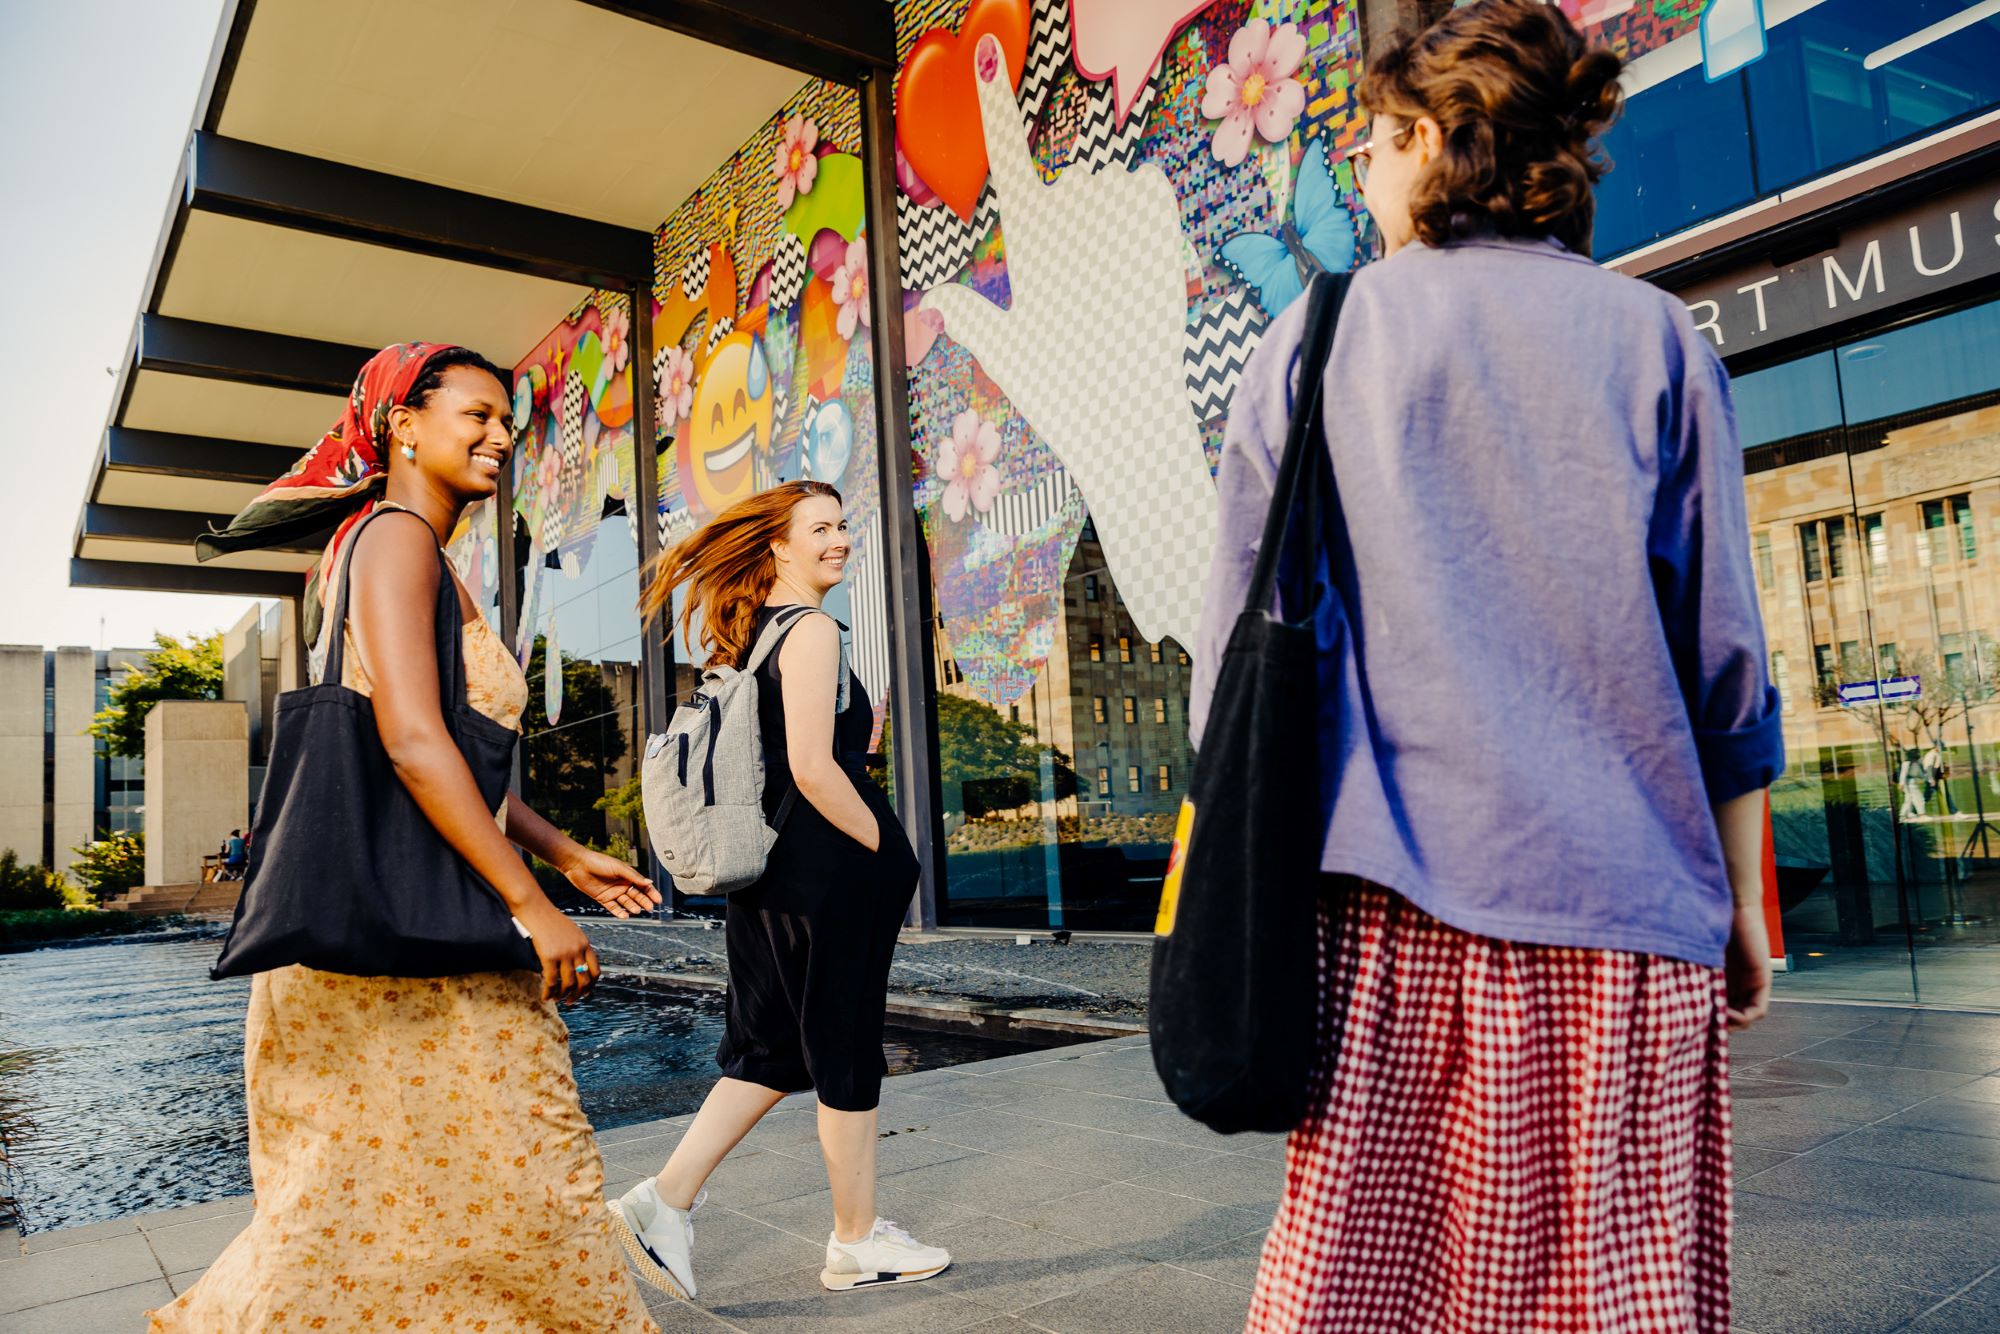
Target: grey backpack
point(703, 778)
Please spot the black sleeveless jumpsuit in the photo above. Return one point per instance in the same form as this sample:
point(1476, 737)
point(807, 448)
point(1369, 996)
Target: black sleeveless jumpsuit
point(810, 943)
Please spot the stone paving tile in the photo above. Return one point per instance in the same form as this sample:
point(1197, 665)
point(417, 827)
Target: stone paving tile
point(1824, 1303)
point(1856, 1105)
point(1003, 1187)
point(1910, 1053)
point(1152, 1300)
point(639, 1156)
point(809, 1218)
point(1925, 1150)
point(1911, 1085)
point(1096, 1076)
point(1253, 1183)
point(1799, 1239)
point(733, 1247)
point(1099, 1152)
point(1009, 1267)
point(120, 1308)
point(1959, 1116)
point(1148, 1223)
point(194, 1245)
point(1985, 1090)
point(1935, 1025)
point(1774, 1123)
point(1749, 1162)
point(1128, 1116)
point(796, 1301)
point(977, 1090)
point(1888, 1192)
point(35, 1243)
point(675, 1316)
point(1233, 1262)
point(74, 1271)
point(672, 1125)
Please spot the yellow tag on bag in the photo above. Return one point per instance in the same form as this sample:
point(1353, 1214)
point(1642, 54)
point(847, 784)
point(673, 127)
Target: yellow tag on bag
point(1170, 888)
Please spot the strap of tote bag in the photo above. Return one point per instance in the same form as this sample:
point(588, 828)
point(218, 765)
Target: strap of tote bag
point(450, 622)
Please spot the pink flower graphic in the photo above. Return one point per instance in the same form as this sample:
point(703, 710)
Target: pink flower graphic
point(966, 462)
point(797, 165)
point(676, 385)
point(850, 290)
point(1255, 90)
point(614, 329)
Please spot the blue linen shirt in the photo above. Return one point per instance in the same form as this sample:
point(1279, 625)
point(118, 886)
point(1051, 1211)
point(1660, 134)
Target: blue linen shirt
point(1557, 661)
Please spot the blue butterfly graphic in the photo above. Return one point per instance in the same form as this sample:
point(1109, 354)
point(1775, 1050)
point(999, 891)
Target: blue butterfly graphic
point(1320, 238)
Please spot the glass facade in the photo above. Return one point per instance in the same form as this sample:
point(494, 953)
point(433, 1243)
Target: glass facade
point(1840, 81)
point(1873, 481)
point(573, 539)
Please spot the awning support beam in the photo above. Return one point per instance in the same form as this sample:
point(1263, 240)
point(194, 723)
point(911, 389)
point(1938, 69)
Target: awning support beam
point(842, 40)
point(285, 189)
point(165, 453)
point(247, 356)
point(147, 577)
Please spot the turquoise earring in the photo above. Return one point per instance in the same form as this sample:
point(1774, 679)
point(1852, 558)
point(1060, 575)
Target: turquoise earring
point(409, 453)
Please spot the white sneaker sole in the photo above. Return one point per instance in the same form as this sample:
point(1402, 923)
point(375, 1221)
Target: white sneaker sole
point(833, 1282)
point(648, 1269)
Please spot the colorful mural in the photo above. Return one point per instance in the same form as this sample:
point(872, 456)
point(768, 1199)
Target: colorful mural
point(764, 372)
point(573, 473)
point(1102, 204)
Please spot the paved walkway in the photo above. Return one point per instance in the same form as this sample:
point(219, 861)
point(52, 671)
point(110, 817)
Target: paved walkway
point(1077, 1201)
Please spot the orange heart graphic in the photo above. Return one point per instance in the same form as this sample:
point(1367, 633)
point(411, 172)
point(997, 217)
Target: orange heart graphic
point(937, 100)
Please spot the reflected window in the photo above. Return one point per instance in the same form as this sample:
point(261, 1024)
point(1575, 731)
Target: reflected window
point(1885, 654)
point(1781, 678)
point(1949, 530)
point(1090, 588)
point(1836, 548)
point(1809, 552)
point(1103, 782)
point(1767, 577)
point(1097, 650)
point(1132, 778)
point(1153, 653)
point(1935, 361)
point(1124, 649)
point(1823, 666)
point(1166, 779)
point(1097, 708)
point(1131, 709)
point(1160, 709)
point(1878, 543)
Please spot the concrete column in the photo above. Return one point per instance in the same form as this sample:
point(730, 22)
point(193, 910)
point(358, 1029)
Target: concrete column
point(243, 671)
point(75, 796)
point(197, 784)
point(21, 794)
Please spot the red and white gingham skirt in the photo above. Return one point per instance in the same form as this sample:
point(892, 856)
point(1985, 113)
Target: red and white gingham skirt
point(1512, 1137)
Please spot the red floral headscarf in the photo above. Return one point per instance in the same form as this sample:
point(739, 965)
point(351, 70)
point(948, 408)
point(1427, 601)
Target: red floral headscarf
point(340, 476)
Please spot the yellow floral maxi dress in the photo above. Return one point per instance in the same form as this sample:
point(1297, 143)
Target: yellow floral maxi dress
point(420, 1157)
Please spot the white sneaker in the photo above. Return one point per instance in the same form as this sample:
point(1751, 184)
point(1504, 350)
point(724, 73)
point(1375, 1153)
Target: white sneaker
point(887, 1254)
point(658, 1237)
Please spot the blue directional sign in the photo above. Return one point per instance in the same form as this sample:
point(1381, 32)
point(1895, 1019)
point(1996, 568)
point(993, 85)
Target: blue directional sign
point(1890, 690)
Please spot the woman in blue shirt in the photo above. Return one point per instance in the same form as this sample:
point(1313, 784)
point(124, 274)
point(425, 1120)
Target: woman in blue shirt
point(1544, 906)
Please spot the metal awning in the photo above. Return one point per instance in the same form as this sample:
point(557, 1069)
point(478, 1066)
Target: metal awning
point(363, 172)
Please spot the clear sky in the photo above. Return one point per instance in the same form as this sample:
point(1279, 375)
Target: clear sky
point(97, 97)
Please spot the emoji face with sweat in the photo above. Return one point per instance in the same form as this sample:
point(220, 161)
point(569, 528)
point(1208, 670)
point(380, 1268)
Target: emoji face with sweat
point(729, 426)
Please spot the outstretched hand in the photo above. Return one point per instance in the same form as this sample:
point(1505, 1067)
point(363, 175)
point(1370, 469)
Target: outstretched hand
point(1090, 349)
point(621, 890)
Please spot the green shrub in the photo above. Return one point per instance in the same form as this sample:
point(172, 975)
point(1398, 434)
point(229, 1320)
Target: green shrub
point(30, 925)
point(30, 885)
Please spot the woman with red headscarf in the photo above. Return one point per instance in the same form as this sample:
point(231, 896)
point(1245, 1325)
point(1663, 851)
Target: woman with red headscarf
point(420, 1157)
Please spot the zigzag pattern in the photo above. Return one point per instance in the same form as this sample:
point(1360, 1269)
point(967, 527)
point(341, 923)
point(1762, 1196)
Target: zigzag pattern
point(1048, 52)
point(1020, 512)
point(694, 274)
point(788, 271)
point(933, 244)
point(1218, 346)
point(1098, 145)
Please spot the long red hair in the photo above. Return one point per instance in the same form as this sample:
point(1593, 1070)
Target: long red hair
point(728, 567)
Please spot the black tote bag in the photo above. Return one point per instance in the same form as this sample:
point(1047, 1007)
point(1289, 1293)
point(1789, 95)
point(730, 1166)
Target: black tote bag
point(1235, 1004)
point(346, 873)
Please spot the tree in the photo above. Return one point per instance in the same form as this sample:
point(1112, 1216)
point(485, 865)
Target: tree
point(171, 670)
point(993, 762)
point(567, 767)
point(112, 865)
point(1950, 694)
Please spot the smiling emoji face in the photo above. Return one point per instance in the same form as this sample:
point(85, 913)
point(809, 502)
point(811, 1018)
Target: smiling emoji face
point(729, 426)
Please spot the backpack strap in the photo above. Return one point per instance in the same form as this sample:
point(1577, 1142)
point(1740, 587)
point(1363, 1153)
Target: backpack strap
point(768, 643)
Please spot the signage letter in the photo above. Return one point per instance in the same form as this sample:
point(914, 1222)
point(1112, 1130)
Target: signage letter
point(1756, 289)
point(1957, 249)
point(1871, 259)
point(1714, 321)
